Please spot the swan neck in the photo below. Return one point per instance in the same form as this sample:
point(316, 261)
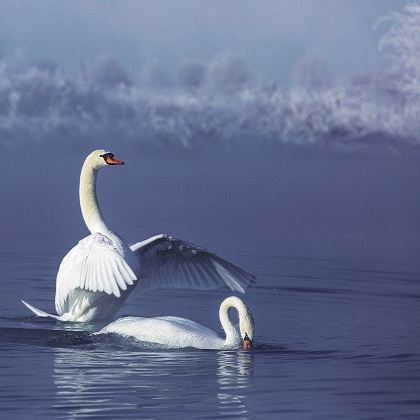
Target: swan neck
point(232, 336)
point(91, 211)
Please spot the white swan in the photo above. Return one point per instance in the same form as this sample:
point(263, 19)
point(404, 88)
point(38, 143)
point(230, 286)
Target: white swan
point(97, 275)
point(174, 332)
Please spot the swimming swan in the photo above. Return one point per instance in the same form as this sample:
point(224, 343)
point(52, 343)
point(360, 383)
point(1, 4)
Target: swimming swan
point(174, 332)
point(98, 274)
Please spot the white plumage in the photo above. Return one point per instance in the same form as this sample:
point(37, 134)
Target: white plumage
point(94, 264)
point(97, 275)
point(174, 332)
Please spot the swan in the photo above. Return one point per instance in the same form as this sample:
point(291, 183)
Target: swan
point(174, 332)
point(97, 275)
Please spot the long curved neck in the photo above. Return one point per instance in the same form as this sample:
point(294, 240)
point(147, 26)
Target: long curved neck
point(232, 336)
point(91, 211)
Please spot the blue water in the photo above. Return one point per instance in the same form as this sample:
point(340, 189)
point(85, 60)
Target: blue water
point(335, 338)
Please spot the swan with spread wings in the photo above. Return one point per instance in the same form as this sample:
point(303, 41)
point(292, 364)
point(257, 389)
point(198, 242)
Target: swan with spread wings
point(98, 274)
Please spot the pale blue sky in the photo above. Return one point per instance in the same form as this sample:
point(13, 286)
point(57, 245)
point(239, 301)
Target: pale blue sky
point(270, 35)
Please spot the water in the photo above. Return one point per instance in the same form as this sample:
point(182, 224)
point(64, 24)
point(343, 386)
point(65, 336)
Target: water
point(335, 338)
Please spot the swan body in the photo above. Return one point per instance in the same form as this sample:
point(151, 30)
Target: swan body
point(174, 332)
point(98, 274)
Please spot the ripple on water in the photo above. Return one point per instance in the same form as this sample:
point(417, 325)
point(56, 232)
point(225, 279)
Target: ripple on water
point(334, 339)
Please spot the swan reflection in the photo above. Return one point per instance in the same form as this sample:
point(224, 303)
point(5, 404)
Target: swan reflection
point(234, 376)
point(115, 382)
point(118, 382)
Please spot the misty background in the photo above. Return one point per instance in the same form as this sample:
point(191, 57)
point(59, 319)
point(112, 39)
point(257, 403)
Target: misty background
point(273, 127)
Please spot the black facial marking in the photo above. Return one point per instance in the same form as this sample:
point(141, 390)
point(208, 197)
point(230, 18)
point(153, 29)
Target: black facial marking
point(106, 155)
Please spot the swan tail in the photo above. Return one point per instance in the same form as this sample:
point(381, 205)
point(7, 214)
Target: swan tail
point(39, 312)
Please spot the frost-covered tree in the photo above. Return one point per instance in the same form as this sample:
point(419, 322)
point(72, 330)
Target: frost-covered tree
point(401, 42)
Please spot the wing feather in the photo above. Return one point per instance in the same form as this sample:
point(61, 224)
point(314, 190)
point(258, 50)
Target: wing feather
point(166, 261)
point(105, 283)
point(95, 264)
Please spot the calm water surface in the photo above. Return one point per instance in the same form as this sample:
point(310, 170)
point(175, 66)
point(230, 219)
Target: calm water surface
point(335, 339)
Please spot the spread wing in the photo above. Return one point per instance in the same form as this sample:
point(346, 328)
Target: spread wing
point(166, 261)
point(94, 264)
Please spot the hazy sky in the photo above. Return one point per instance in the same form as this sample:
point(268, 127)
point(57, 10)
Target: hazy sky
point(270, 35)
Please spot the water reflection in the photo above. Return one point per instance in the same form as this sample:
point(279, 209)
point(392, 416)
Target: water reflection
point(119, 383)
point(98, 382)
point(234, 376)
point(81, 379)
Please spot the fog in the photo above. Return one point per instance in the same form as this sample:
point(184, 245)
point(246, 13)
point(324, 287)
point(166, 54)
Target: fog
point(271, 36)
point(223, 147)
point(221, 100)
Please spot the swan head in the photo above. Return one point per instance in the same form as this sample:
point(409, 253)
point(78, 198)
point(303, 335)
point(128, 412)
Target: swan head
point(100, 158)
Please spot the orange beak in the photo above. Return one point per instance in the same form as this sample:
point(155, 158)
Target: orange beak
point(112, 161)
point(247, 343)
